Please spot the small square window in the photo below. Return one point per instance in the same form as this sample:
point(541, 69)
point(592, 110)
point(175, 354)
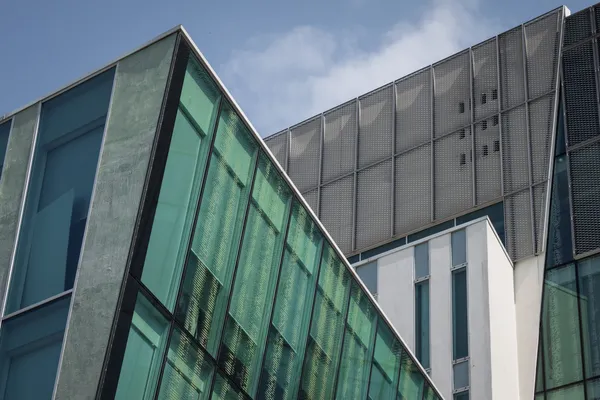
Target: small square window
point(485, 149)
point(496, 145)
point(461, 107)
point(461, 375)
point(494, 94)
point(463, 159)
point(495, 120)
point(483, 125)
point(462, 133)
point(483, 98)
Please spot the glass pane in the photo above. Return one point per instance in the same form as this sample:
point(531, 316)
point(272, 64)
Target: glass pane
point(463, 396)
point(459, 247)
point(143, 354)
point(560, 248)
point(422, 322)
point(459, 314)
point(411, 382)
point(198, 97)
point(593, 389)
point(293, 306)
point(30, 346)
point(327, 328)
point(211, 260)
point(223, 390)
point(461, 375)
point(539, 375)
point(179, 190)
point(60, 191)
point(568, 393)
point(368, 274)
point(386, 364)
point(429, 393)
point(421, 260)
point(494, 212)
point(589, 286)
point(188, 371)
point(359, 340)
point(258, 269)
point(560, 325)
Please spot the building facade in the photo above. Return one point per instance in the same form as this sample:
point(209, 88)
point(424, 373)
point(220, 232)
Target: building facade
point(152, 248)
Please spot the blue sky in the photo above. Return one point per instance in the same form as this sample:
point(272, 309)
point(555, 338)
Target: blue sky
point(282, 61)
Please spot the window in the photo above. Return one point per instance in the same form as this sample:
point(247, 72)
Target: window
point(483, 125)
point(459, 314)
point(483, 98)
point(496, 146)
point(461, 375)
point(422, 322)
point(368, 274)
point(421, 254)
point(462, 133)
point(458, 241)
point(589, 295)
point(495, 120)
point(463, 159)
point(462, 395)
point(494, 94)
point(485, 150)
point(386, 364)
point(411, 382)
point(461, 107)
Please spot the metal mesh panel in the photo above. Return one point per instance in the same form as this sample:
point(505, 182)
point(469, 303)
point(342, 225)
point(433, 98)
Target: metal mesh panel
point(376, 120)
point(515, 160)
point(312, 198)
point(336, 211)
point(412, 189)
point(539, 213)
point(541, 117)
point(452, 98)
point(512, 80)
point(577, 27)
point(542, 38)
point(597, 17)
point(452, 173)
point(413, 111)
point(279, 147)
point(488, 171)
point(304, 154)
point(485, 79)
point(585, 189)
point(518, 226)
point(373, 204)
point(580, 93)
point(338, 142)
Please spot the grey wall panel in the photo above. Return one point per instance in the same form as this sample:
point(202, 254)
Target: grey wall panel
point(279, 147)
point(585, 192)
point(577, 27)
point(539, 214)
point(485, 79)
point(541, 121)
point(488, 163)
point(312, 198)
point(141, 80)
point(305, 148)
point(336, 211)
point(375, 126)
point(452, 94)
point(373, 204)
point(512, 79)
point(412, 188)
point(580, 94)
point(452, 173)
point(338, 142)
point(597, 16)
point(413, 110)
point(542, 38)
point(518, 225)
point(12, 185)
point(515, 159)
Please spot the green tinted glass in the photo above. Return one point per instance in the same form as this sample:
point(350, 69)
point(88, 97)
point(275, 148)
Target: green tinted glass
point(359, 340)
point(252, 298)
point(293, 305)
point(411, 380)
point(211, 259)
point(327, 328)
point(386, 364)
point(223, 390)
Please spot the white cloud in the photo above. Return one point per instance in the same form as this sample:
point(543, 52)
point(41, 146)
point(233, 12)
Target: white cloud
point(282, 79)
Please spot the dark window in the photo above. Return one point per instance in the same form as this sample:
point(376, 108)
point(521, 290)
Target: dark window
point(495, 120)
point(496, 145)
point(483, 125)
point(461, 107)
point(494, 94)
point(463, 159)
point(485, 149)
point(462, 133)
point(483, 98)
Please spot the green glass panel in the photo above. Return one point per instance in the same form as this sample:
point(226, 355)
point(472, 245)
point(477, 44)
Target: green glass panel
point(211, 260)
point(143, 355)
point(539, 376)
point(223, 390)
point(560, 328)
point(537, 396)
point(593, 389)
point(327, 328)
point(429, 393)
point(188, 371)
point(568, 393)
point(359, 340)
point(180, 188)
point(293, 305)
point(386, 364)
point(589, 287)
point(411, 380)
point(256, 277)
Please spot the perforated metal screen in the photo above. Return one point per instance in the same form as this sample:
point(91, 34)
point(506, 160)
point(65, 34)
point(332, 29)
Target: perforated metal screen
point(512, 77)
point(452, 94)
point(577, 28)
point(278, 144)
point(374, 204)
point(488, 160)
point(375, 126)
point(518, 224)
point(542, 41)
point(413, 110)
point(485, 79)
point(338, 141)
point(336, 211)
point(304, 156)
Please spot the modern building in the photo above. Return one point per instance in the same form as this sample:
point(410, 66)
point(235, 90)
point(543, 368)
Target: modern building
point(152, 248)
point(508, 129)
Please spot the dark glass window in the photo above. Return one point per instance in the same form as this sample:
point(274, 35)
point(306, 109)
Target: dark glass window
point(485, 150)
point(494, 94)
point(560, 244)
point(483, 98)
point(496, 146)
point(458, 241)
point(461, 107)
point(422, 322)
point(421, 260)
point(460, 326)
point(368, 274)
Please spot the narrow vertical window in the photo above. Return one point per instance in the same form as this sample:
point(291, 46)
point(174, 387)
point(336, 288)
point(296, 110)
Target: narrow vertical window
point(459, 247)
point(421, 260)
point(494, 94)
point(459, 314)
point(483, 98)
point(461, 107)
point(368, 274)
point(422, 322)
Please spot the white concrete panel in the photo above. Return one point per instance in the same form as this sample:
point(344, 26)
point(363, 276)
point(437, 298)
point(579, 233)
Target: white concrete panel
point(396, 292)
point(440, 295)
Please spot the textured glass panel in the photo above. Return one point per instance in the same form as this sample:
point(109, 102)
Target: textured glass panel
point(60, 190)
point(452, 97)
point(560, 328)
point(589, 300)
point(422, 322)
point(461, 375)
point(211, 260)
point(293, 306)
point(187, 373)
point(429, 393)
point(143, 355)
point(368, 274)
point(224, 390)
point(327, 327)
point(359, 340)
point(304, 154)
point(411, 382)
point(180, 187)
point(459, 314)
point(257, 272)
point(386, 364)
point(459, 247)
point(375, 126)
point(569, 393)
point(593, 388)
point(4, 133)
point(413, 110)
point(30, 347)
point(338, 141)
point(421, 260)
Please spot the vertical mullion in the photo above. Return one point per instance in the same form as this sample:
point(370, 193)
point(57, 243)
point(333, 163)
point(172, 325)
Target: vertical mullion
point(288, 134)
point(580, 325)
point(345, 328)
point(354, 191)
point(163, 362)
point(431, 149)
point(393, 176)
point(472, 127)
point(499, 101)
point(372, 356)
point(321, 144)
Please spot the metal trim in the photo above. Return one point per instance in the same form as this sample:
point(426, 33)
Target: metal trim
point(432, 144)
point(355, 174)
point(472, 127)
point(321, 145)
point(372, 355)
point(37, 305)
point(393, 166)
